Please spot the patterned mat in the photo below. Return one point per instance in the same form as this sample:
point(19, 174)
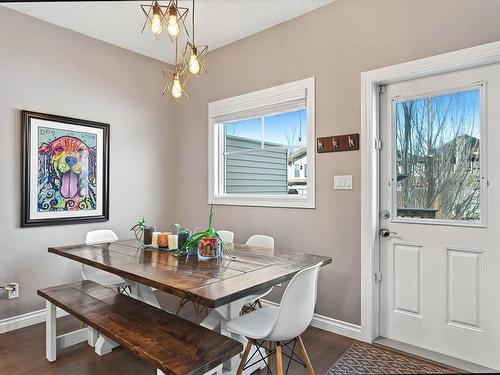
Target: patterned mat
point(363, 358)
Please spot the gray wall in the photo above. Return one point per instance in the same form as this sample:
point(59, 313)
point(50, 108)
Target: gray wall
point(48, 69)
point(335, 44)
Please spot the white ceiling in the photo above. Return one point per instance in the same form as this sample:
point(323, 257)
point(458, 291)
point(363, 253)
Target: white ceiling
point(218, 22)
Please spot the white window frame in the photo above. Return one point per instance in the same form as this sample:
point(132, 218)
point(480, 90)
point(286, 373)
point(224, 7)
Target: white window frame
point(274, 96)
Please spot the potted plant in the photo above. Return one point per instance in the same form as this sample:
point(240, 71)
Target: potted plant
point(138, 230)
point(207, 243)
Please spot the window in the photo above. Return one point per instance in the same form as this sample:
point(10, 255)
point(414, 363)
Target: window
point(259, 145)
point(297, 170)
point(438, 156)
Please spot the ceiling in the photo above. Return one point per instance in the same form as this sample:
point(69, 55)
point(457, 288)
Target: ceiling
point(218, 22)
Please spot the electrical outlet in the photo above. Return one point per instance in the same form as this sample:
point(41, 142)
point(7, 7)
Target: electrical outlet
point(12, 290)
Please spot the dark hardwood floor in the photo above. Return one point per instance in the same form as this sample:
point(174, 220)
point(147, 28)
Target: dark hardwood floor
point(23, 351)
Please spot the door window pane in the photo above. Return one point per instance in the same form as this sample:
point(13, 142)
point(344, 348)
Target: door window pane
point(438, 157)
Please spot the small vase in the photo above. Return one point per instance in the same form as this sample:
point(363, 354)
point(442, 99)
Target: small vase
point(209, 248)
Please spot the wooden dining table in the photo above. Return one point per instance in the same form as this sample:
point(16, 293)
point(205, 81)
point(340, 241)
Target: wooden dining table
point(221, 284)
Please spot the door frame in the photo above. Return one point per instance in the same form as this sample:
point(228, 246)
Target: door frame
point(370, 82)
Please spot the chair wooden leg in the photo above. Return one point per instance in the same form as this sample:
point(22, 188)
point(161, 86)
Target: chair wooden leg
point(279, 359)
point(305, 356)
point(269, 359)
point(244, 357)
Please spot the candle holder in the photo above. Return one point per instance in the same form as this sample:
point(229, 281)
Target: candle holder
point(163, 240)
point(148, 236)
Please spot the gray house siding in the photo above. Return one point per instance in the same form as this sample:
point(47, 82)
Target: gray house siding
point(255, 172)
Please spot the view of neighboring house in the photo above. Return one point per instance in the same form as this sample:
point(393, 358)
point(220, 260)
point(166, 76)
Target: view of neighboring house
point(253, 170)
point(443, 184)
point(297, 172)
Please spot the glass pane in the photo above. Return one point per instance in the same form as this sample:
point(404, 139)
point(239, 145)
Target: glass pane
point(289, 128)
point(247, 131)
point(437, 157)
point(267, 155)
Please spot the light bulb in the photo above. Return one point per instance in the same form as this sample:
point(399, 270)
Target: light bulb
point(194, 62)
point(172, 22)
point(156, 24)
point(176, 87)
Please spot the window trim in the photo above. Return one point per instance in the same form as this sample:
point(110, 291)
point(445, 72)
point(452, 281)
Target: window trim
point(483, 161)
point(251, 101)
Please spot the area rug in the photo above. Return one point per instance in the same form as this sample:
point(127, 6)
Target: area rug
point(363, 358)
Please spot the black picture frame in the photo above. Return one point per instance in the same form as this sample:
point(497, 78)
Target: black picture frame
point(26, 220)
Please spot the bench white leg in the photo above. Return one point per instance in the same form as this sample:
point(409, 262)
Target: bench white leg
point(50, 332)
point(104, 345)
point(93, 335)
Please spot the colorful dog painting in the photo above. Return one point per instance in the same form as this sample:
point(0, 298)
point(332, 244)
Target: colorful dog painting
point(67, 166)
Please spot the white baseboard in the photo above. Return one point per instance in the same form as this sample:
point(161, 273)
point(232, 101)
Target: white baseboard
point(25, 320)
point(332, 325)
point(319, 321)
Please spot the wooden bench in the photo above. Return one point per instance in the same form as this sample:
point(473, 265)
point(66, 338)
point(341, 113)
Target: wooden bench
point(174, 345)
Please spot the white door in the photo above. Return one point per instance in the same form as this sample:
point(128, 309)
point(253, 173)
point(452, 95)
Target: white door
point(440, 194)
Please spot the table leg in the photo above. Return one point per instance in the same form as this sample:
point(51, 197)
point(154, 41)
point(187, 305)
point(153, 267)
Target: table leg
point(143, 293)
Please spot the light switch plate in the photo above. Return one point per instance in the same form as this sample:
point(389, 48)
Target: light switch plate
point(342, 182)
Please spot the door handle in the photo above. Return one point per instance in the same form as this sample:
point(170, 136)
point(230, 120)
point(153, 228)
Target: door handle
point(384, 232)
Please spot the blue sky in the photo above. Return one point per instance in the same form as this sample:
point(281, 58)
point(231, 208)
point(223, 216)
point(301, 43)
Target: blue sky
point(278, 128)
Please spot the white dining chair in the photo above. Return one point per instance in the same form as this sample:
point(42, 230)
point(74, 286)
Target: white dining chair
point(259, 240)
point(267, 242)
point(226, 236)
point(99, 276)
point(281, 325)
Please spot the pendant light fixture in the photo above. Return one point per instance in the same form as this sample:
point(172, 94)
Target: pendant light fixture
point(194, 55)
point(155, 17)
point(175, 79)
point(171, 15)
point(175, 18)
point(172, 18)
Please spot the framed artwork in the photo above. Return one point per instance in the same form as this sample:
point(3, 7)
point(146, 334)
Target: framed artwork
point(65, 170)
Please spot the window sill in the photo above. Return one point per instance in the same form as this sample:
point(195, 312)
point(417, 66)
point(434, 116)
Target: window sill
point(288, 202)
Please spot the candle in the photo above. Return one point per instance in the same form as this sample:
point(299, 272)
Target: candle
point(163, 240)
point(172, 241)
point(148, 235)
point(154, 239)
